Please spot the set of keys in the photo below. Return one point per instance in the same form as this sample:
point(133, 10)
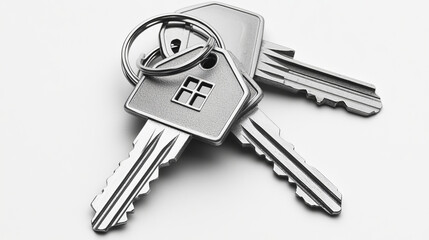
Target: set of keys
point(202, 84)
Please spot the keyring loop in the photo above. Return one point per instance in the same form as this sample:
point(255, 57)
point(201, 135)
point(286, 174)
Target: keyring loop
point(176, 17)
point(147, 71)
point(146, 59)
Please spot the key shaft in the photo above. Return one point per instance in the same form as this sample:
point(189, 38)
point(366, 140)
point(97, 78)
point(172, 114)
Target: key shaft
point(156, 145)
point(272, 64)
point(188, 104)
point(276, 67)
point(256, 130)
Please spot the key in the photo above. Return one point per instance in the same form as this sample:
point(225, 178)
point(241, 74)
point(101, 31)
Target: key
point(269, 63)
point(201, 103)
point(255, 129)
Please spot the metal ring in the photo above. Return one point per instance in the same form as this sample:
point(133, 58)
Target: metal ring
point(146, 59)
point(147, 71)
point(126, 67)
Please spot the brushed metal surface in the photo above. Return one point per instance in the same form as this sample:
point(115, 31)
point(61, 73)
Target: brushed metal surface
point(156, 145)
point(272, 64)
point(256, 130)
point(152, 97)
point(241, 31)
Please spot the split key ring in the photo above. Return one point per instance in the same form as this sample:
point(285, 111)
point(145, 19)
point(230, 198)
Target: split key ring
point(203, 29)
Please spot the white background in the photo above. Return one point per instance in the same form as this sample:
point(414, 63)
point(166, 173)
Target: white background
point(63, 129)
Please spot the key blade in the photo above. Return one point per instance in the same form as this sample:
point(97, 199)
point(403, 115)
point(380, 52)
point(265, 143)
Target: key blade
point(255, 129)
point(282, 50)
point(275, 67)
point(155, 146)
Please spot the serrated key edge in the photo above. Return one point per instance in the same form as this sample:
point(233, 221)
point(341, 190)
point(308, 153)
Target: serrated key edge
point(148, 138)
point(355, 96)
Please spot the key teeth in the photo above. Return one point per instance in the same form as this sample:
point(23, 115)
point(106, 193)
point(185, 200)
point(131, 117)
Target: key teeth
point(273, 71)
point(143, 192)
point(313, 204)
point(335, 104)
point(246, 140)
point(260, 153)
point(304, 196)
point(131, 208)
point(147, 142)
point(278, 171)
point(108, 180)
point(123, 219)
point(298, 191)
point(146, 189)
point(94, 204)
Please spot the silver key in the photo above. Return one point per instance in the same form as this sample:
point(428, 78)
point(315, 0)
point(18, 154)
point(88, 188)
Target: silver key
point(180, 107)
point(255, 129)
point(270, 63)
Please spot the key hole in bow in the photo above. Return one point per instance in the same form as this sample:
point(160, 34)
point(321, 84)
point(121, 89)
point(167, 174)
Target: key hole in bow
point(209, 62)
point(175, 45)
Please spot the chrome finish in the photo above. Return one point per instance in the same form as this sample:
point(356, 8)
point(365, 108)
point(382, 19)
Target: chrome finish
point(155, 146)
point(256, 130)
point(256, 93)
point(126, 67)
point(146, 60)
point(164, 136)
point(152, 97)
point(277, 68)
point(270, 64)
point(147, 71)
point(241, 30)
